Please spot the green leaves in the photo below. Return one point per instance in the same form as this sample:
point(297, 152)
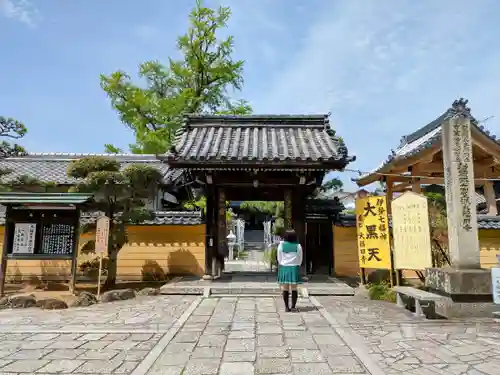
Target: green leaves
point(334, 184)
point(198, 82)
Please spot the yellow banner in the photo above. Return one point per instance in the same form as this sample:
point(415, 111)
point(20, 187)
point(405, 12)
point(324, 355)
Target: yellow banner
point(373, 233)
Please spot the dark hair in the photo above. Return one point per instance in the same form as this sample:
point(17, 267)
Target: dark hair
point(290, 236)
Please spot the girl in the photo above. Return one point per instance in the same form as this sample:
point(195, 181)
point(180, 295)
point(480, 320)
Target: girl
point(289, 262)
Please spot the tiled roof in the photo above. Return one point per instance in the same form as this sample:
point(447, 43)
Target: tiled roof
point(249, 139)
point(161, 218)
point(483, 221)
point(52, 167)
point(426, 137)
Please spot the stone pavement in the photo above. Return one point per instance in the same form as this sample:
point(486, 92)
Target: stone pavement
point(174, 335)
point(252, 283)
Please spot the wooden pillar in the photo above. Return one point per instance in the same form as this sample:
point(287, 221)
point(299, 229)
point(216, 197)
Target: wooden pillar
point(489, 194)
point(74, 257)
point(222, 249)
point(298, 223)
point(5, 250)
point(389, 193)
point(209, 231)
point(287, 203)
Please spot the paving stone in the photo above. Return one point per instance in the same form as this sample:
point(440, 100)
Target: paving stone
point(96, 345)
point(207, 352)
point(122, 345)
point(297, 343)
point(243, 334)
point(43, 337)
point(306, 356)
point(169, 359)
point(64, 354)
point(345, 364)
point(270, 340)
point(273, 352)
point(59, 344)
point(236, 368)
point(273, 366)
point(126, 368)
point(311, 368)
point(239, 357)
point(99, 367)
point(91, 337)
point(240, 345)
point(29, 354)
point(201, 367)
point(25, 365)
point(98, 354)
point(167, 370)
point(212, 340)
point(61, 366)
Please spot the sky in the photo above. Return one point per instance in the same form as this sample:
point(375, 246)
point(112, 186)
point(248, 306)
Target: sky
point(381, 68)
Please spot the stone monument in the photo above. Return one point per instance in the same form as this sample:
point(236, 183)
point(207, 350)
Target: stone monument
point(466, 286)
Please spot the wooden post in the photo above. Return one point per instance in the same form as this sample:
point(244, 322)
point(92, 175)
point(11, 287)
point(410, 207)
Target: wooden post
point(74, 258)
point(489, 194)
point(209, 231)
point(5, 250)
point(388, 198)
point(298, 223)
point(221, 229)
point(287, 203)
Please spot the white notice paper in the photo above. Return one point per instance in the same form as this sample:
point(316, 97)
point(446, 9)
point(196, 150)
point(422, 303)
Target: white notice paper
point(24, 238)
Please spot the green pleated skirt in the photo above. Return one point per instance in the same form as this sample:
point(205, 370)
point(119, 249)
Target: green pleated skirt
point(289, 275)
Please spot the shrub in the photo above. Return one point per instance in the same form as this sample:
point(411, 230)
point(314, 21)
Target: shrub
point(381, 291)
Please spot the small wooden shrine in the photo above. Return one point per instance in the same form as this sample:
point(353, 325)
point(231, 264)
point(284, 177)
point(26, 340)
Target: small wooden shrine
point(41, 226)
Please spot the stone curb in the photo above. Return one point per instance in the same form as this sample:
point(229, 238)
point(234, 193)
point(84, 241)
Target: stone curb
point(349, 337)
point(153, 355)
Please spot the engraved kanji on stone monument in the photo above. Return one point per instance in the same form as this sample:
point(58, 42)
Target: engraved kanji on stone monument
point(459, 185)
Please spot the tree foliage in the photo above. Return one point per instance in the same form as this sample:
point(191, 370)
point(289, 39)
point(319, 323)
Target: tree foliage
point(118, 193)
point(334, 184)
point(439, 228)
point(265, 207)
point(11, 129)
point(199, 82)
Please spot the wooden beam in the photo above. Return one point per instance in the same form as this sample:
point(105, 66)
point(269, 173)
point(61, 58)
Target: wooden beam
point(389, 193)
point(5, 250)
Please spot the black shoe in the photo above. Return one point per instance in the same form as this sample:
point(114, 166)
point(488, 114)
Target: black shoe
point(286, 294)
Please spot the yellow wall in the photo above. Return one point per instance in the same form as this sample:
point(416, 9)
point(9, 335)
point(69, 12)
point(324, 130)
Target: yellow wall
point(345, 250)
point(167, 249)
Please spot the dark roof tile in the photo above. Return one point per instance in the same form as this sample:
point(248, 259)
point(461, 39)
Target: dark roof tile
point(161, 218)
point(244, 139)
point(52, 167)
point(483, 221)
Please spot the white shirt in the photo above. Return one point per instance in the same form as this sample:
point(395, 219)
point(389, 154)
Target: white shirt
point(289, 259)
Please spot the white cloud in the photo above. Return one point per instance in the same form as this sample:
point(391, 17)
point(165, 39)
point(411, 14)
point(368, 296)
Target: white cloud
point(21, 10)
point(382, 68)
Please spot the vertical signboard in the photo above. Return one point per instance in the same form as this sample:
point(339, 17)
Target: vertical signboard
point(373, 233)
point(101, 244)
point(411, 231)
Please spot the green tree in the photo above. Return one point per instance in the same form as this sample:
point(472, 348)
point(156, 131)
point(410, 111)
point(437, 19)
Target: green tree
point(265, 207)
point(334, 184)
point(119, 194)
point(199, 82)
point(11, 129)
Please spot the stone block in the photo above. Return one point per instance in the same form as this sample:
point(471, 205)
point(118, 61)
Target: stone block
point(456, 282)
point(451, 309)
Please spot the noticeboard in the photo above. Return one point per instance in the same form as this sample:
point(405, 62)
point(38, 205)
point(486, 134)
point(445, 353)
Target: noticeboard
point(411, 232)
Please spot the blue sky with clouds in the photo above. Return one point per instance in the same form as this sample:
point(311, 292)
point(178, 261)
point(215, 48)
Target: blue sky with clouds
point(382, 68)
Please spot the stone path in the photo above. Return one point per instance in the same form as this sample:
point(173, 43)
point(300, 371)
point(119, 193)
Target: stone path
point(398, 344)
point(174, 335)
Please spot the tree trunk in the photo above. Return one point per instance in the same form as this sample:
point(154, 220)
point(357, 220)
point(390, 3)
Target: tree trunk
point(112, 267)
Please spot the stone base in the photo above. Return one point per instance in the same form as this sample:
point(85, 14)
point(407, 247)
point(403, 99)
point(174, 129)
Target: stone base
point(207, 277)
point(468, 292)
point(450, 309)
point(460, 284)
